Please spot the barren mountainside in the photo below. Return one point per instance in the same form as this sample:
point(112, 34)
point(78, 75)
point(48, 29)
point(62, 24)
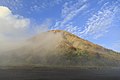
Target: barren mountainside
point(57, 47)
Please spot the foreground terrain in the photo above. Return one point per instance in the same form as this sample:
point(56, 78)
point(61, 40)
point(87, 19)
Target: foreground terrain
point(66, 73)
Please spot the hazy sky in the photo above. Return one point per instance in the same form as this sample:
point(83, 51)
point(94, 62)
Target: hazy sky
point(95, 20)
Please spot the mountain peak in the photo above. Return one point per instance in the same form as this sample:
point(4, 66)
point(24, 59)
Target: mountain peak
point(69, 39)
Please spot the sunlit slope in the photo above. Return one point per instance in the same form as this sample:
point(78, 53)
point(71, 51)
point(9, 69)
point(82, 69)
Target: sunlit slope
point(57, 47)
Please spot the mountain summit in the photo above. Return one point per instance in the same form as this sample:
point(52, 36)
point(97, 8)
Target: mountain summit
point(57, 47)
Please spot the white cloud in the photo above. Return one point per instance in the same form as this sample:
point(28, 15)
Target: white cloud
point(4, 11)
point(74, 9)
point(100, 1)
point(12, 28)
point(70, 27)
point(101, 21)
point(14, 4)
point(11, 24)
point(73, 13)
point(44, 4)
point(69, 13)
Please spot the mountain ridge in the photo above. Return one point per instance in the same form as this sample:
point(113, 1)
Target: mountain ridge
point(57, 47)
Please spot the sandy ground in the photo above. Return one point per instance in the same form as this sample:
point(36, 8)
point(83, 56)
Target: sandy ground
point(46, 73)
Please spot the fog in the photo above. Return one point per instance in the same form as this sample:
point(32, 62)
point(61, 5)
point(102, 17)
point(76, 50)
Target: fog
point(41, 49)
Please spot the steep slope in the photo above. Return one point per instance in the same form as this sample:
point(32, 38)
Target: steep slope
point(57, 47)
